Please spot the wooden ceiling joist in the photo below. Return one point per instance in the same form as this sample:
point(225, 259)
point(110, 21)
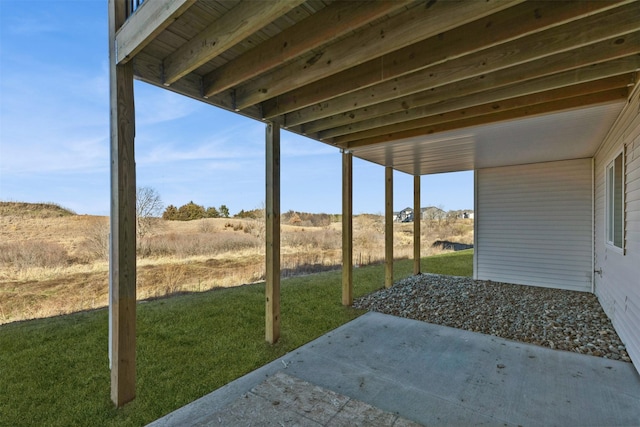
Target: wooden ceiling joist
point(596, 77)
point(588, 63)
point(518, 113)
point(240, 22)
point(328, 24)
point(149, 69)
point(343, 72)
point(496, 29)
point(620, 83)
point(418, 23)
point(558, 45)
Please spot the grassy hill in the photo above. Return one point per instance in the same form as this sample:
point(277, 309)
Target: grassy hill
point(33, 210)
point(54, 262)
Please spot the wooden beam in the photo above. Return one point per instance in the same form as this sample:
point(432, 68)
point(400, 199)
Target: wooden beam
point(149, 70)
point(518, 21)
point(599, 35)
point(149, 20)
point(458, 108)
point(240, 22)
point(399, 31)
point(122, 251)
point(571, 67)
point(417, 218)
point(272, 288)
point(388, 227)
point(545, 108)
point(321, 28)
point(347, 228)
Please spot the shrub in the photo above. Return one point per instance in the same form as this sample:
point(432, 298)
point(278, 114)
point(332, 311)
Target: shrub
point(185, 245)
point(96, 242)
point(255, 228)
point(224, 211)
point(324, 239)
point(170, 213)
point(33, 253)
point(205, 226)
point(252, 214)
point(213, 212)
point(306, 219)
point(191, 211)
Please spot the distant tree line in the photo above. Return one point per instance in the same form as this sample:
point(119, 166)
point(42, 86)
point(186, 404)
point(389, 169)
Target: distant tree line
point(250, 214)
point(191, 211)
point(307, 219)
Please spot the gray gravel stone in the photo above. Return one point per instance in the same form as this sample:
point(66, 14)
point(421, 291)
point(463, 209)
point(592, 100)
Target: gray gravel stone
point(554, 318)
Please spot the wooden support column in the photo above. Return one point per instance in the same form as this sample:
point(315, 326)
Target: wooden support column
point(122, 255)
point(417, 218)
point(347, 228)
point(388, 228)
point(272, 289)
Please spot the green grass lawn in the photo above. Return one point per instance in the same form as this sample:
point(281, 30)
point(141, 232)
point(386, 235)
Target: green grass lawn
point(55, 372)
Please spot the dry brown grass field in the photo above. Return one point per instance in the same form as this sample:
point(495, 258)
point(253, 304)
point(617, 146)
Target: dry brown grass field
point(54, 262)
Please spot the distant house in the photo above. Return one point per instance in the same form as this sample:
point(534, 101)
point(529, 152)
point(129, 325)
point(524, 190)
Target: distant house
point(405, 215)
point(466, 215)
point(432, 212)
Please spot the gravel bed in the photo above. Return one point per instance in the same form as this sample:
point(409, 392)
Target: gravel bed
point(554, 318)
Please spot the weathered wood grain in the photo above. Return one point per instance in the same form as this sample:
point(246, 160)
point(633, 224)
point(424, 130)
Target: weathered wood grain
point(234, 26)
point(272, 233)
point(401, 30)
point(347, 228)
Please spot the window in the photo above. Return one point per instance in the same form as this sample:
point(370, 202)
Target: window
point(615, 202)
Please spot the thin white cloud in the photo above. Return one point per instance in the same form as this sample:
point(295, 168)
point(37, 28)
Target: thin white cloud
point(52, 118)
point(160, 152)
point(155, 106)
point(73, 155)
point(31, 25)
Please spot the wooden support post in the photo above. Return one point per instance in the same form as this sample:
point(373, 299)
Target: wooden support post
point(347, 228)
point(122, 255)
point(417, 218)
point(272, 289)
point(388, 228)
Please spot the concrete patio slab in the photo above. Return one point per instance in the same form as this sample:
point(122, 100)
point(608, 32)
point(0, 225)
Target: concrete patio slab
point(285, 400)
point(385, 370)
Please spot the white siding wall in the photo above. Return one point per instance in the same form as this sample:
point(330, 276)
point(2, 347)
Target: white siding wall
point(619, 286)
point(534, 224)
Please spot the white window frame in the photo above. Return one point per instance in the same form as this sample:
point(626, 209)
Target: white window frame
point(609, 229)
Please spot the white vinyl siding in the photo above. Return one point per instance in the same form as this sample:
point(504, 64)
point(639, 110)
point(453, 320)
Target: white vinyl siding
point(618, 287)
point(534, 224)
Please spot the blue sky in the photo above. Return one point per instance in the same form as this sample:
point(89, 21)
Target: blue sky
point(54, 132)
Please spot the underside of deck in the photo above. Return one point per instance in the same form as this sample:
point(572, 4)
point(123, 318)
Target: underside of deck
point(364, 74)
point(420, 87)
